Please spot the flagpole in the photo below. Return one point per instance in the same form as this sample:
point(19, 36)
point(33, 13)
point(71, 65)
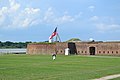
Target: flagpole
point(58, 37)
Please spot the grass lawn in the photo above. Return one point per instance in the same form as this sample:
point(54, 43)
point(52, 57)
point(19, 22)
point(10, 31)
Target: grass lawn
point(42, 67)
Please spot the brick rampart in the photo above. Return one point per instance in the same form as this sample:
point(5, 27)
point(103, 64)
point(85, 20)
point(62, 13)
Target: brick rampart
point(41, 48)
point(81, 48)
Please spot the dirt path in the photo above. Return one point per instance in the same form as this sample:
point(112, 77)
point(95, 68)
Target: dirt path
point(108, 77)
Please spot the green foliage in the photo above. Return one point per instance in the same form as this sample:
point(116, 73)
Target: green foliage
point(42, 67)
point(74, 40)
point(43, 43)
point(9, 44)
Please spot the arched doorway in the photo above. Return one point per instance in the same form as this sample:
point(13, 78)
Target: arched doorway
point(92, 50)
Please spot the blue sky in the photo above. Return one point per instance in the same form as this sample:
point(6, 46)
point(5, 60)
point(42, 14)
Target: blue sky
point(35, 20)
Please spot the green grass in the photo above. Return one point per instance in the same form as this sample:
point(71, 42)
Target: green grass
point(42, 67)
point(116, 78)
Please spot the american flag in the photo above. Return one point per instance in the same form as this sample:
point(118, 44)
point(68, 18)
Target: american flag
point(54, 33)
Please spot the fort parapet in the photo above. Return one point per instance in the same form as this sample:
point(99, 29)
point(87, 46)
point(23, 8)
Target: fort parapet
point(77, 48)
point(40, 48)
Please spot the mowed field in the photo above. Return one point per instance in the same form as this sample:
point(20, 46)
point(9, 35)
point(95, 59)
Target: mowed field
point(42, 67)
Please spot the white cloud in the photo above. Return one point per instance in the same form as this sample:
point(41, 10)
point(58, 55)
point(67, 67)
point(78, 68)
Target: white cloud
point(102, 27)
point(4, 10)
point(94, 18)
point(49, 15)
point(78, 15)
point(31, 10)
point(14, 6)
point(12, 16)
point(3, 15)
point(52, 18)
point(26, 22)
point(64, 19)
point(2, 18)
point(67, 18)
point(26, 18)
point(7, 13)
point(104, 23)
point(92, 8)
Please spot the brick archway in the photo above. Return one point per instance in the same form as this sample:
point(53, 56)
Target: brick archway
point(92, 50)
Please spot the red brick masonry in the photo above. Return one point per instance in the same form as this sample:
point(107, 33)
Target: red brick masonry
point(79, 48)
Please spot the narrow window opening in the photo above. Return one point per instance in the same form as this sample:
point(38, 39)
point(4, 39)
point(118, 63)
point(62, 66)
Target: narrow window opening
point(117, 52)
point(112, 51)
point(99, 51)
point(103, 51)
point(82, 52)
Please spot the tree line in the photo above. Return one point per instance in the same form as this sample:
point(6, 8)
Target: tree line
point(9, 44)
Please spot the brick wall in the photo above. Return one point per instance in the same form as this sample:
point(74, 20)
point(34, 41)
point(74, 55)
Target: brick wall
point(108, 49)
point(101, 48)
point(40, 48)
point(61, 47)
point(82, 48)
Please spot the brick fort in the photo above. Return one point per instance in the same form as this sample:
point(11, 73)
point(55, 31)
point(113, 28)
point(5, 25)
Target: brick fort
point(75, 48)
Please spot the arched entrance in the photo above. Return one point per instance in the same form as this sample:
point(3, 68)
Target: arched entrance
point(92, 50)
point(72, 48)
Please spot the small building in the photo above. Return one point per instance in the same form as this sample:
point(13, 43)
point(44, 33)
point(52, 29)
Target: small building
point(76, 48)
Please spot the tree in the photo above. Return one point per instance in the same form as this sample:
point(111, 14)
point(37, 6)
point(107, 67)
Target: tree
point(9, 44)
